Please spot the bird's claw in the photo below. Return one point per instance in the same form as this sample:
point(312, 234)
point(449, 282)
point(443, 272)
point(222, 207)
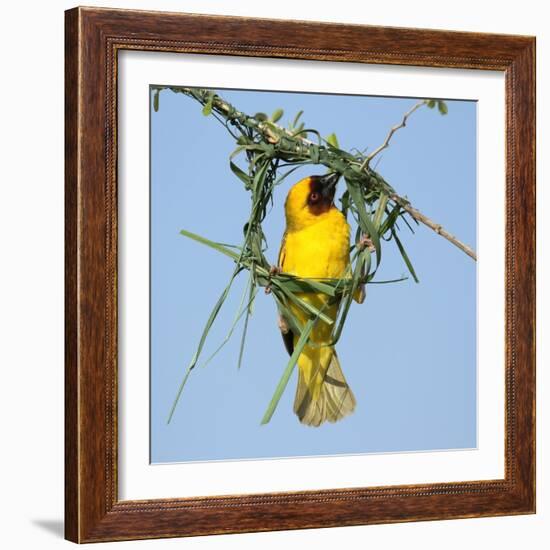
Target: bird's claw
point(366, 242)
point(273, 270)
point(283, 325)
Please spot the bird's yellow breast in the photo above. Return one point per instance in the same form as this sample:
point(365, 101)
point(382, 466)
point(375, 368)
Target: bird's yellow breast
point(320, 250)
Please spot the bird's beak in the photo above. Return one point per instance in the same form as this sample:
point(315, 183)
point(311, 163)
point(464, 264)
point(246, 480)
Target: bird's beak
point(328, 184)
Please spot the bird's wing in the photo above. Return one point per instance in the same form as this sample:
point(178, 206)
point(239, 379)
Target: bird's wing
point(288, 341)
point(286, 333)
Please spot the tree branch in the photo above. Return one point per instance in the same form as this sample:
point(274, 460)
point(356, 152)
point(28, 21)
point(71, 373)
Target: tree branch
point(301, 148)
point(417, 215)
point(386, 143)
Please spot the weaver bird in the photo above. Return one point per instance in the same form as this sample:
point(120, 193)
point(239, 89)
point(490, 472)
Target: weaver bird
point(316, 245)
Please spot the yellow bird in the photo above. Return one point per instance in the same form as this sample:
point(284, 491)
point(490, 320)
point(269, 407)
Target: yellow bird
point(316, 245)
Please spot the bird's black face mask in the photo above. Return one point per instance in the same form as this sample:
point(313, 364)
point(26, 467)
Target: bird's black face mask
point(321, 195)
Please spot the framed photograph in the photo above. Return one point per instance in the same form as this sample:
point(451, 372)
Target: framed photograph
point(300, 275)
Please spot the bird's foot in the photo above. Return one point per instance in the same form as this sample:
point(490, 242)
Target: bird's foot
point(366, 242)
point(273, 270)
point(283, 325)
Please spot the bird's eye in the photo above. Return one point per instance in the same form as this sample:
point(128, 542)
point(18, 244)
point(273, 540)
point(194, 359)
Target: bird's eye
point(314, 196)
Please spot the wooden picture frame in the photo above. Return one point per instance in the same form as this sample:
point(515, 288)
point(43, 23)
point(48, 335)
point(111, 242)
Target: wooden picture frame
point(93, 511)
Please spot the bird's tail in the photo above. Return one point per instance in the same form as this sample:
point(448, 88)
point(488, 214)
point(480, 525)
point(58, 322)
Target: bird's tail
point(322, 393)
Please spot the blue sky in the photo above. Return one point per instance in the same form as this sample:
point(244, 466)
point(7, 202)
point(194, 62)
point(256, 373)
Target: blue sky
point(409, 352)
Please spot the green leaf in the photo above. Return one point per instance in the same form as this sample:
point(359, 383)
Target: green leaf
point(206, 330)
point(262, 117)
point(295, 284)
point(403, 216)
point(237, 151)
point(284, 310)
point(442, 106)
point(238, 316)
point(364, 218)
point(277, 115)
point(345, 202)
point(297, 118)
point(388, 281)
point(362, 268)
point(280, 179)
point(390, 220)
point(247, 318)
point(216, 246)
point(314, 152)
point(431, 103)
point(259, 177)
point(404, 255)
point(303, 304)
point(156, 101)
point(288, 371)
point(333, 140)
point(243, 176)
point(380, 211)
point(207, 109)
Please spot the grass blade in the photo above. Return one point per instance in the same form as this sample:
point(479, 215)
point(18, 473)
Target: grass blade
point(304, 305)
point(295, 284)
point(364, 218)
point(204, 335)
point(362, 264)
point(285, 311)
point(253, 292)
point(380, 211)
point(390, 220)
point(241, 174)
point(288, 371)
point(388, 281)
point(216, 246)
point(404, 255)
point(238, 316)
